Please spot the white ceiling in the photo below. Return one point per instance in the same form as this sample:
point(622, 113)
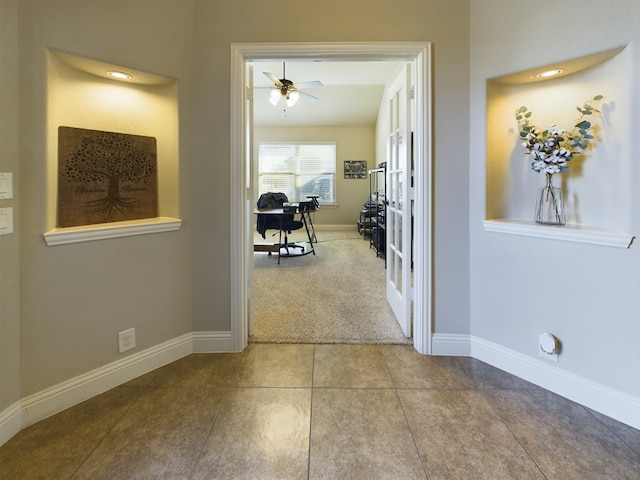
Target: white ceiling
point(350, 95)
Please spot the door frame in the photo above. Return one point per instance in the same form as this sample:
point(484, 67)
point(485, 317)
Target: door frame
point(241, 206)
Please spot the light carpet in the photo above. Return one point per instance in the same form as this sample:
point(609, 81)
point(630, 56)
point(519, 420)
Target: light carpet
point(337, 295)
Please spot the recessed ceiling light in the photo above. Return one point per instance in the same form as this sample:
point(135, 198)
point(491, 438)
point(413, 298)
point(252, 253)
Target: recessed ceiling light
point(119, 75)
point(550, 73)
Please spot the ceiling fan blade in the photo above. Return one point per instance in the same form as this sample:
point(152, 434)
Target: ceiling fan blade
point(273, 78)
point(308, 97)
point(314, 83)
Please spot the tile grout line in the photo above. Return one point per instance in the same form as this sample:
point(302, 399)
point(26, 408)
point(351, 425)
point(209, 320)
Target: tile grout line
point(413, 437)
point(502, 419)
point(227, 389)
point(82, 462)
point(610, 430)
point(395, 389)
point(506, 424)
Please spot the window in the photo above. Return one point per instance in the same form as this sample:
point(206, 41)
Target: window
point(298, 170)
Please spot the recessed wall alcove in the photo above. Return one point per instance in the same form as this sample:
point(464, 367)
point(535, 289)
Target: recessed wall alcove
point(81, 94)
point(598, 186)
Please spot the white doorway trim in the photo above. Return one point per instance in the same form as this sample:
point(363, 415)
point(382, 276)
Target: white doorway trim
point(241, 204)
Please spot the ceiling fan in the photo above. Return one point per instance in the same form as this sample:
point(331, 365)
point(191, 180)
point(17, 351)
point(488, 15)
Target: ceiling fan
point(289, 90)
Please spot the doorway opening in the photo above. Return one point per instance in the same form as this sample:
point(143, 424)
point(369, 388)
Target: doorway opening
point(241, 168)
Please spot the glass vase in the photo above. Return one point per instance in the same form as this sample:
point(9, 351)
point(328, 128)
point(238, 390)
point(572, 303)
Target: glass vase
point(549, 204)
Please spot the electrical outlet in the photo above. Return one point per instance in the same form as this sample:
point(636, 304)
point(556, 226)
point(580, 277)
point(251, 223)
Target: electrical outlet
point(126, 340)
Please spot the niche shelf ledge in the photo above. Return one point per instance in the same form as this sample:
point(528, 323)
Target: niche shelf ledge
point(103, 231)
point(569, 232)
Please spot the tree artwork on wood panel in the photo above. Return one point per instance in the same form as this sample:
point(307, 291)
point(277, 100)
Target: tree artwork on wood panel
point(105, 177)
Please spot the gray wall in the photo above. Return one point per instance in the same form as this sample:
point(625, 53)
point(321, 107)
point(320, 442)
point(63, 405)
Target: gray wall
point(444, 23)
point(74, 299)
point(9, 244)
point(586, 295)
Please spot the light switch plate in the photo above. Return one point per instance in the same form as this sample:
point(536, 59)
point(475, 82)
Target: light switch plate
point(6, 220)
point(6, 186)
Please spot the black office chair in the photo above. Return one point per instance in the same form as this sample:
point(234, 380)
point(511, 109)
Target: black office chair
point(284, 223)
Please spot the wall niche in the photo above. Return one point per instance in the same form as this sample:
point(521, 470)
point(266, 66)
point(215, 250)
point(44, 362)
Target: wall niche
point(83, 93)
point(598, 186)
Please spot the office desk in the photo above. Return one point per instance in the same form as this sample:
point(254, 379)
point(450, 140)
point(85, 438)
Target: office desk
point(307, 221)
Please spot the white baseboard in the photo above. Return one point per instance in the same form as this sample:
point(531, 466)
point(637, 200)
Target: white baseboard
point(601, 398)
point(334, 228)
point(10, 422)
point(59, 397)
point(211, 342)
point(451, 344)
point(608, 401)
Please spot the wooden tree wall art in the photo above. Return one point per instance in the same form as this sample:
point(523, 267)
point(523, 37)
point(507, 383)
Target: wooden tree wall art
point(105, 177)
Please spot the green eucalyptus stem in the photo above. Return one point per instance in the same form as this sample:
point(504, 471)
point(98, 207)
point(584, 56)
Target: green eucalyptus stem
point(550, 198)
point(550, 192)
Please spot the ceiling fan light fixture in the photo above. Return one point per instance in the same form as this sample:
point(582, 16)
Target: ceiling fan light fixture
point(292, 98)
point(289, 90)
point(274, 98)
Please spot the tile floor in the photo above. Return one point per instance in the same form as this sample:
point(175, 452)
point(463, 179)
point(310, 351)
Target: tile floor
point(325, 412)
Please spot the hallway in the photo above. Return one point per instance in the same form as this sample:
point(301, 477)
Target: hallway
point(297, 411)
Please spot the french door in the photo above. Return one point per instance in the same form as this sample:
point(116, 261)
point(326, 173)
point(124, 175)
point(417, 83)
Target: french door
point(399, 199)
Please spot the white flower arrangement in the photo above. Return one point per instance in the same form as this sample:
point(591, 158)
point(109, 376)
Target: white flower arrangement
point(553, 148)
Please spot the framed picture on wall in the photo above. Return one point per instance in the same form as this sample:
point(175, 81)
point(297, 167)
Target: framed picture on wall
point(355, 169)
point(105, 177)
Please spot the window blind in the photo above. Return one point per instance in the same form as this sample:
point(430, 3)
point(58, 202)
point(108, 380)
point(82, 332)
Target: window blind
point(298, 170)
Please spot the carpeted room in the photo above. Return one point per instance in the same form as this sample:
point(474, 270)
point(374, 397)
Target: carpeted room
point(335, 296)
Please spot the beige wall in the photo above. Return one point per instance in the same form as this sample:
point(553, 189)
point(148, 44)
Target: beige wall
point(352, 143)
